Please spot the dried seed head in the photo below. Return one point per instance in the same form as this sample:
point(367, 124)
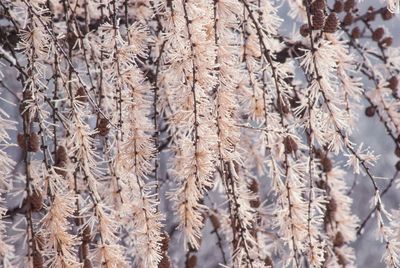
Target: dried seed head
point(339, 240)
point(34, 142)
point(393, 83)
point(192, 262)
point(21, 140)
point(318, 20)
point(378, 34)
point(349, 5)
point(348, 19)
point(304, 30)
point(290, 145)
point(36, 200)
point(338, 6)
point(254, 186)
point(370, 16)
point(331, 23)
point(370, 111)
point(81, 95)
point(37, 260)
point(103, 127)
point(215, 221)
point(387, 41)
point(386, 14)
point(356, 32)
point(87, 264)
point(164, 242)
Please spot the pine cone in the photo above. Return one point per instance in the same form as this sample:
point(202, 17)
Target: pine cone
point(87, 264)
point(215, 221)
point(290, 145)
point(348, 19)
point(349, 5)
point(37, 260)
point(331, 23)
point(21, 140)
point(338, 6)
point(386, 14)
point(103, 127)
point(304, 30)
point(34, 142)
point(318, 20)
point(387, 41)
point(370, 111)
point(370, 16)
point(36, 200)
point(356, 32)
point(81, 95)
point(318, 4)
point(339, 240)
point(393, 83)
point(378, 34)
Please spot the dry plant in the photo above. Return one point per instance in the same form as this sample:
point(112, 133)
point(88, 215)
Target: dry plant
point(150, 127)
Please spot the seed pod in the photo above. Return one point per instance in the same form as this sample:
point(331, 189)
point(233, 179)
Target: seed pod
point(81, 95)
point(215, 221)
point(398, 166)
point(304, 30)
point(356, 32)
point(290, 145)
point(21, 140)
point(331, 23)
point(387, 41)
point(339, 240)
point(370, 111)
point(393, 83)
point(318, 20)
point(192, 262)
point(378, 34)
point(36, 200)
point(37, 260)
point(370, 16)
point(386, 14)
point(33, 142)
point(103, 127)
point(87, 264)
point(348, 19)
point(349, 5)
point(338, 6)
